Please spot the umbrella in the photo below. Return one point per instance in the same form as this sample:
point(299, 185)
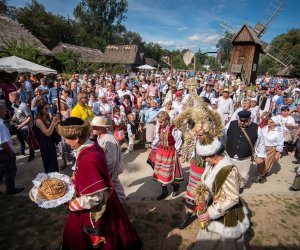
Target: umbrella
point(13, 64)
point(146, 66)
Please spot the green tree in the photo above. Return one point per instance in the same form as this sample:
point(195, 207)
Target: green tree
point(225, 45)
point(100, 21)
point(23, 50)
point(70, 61)
point(130, 38)
point(288, 42)
point(3, 7)
point(49, 28)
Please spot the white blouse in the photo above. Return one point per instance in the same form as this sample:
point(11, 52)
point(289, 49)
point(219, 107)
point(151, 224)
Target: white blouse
point(273, 138)
point(285, 120)
point(173, 113)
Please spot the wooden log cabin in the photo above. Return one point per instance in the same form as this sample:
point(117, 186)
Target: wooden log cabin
point(245, 54)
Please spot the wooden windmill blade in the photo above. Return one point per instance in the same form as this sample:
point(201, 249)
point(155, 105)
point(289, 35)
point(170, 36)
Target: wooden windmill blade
point(277, 55)
point(226, 27)
point(271, 13)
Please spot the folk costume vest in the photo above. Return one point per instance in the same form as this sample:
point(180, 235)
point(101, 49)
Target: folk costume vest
point(237, 143)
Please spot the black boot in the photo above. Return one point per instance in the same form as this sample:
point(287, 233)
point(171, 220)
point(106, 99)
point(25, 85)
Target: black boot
point(176, 189)
point(164, 193)
point(186, 221)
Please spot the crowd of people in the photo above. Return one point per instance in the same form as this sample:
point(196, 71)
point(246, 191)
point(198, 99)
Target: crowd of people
point(210, 119)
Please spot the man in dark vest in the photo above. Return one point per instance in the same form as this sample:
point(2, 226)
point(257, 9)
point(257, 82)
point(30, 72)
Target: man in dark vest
point(244, 139)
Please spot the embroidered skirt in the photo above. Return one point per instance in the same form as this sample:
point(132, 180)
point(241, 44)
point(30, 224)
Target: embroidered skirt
point(167, 168)
point(194, 179)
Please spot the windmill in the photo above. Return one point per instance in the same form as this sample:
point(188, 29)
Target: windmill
point(247, 45)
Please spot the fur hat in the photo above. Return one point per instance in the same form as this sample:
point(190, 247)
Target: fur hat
point(208, 149)
point(73, 127)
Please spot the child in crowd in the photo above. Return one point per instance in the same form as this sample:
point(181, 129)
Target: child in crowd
point(92, 101)
point(150, 120)
point(119, 125)
point(132, 131)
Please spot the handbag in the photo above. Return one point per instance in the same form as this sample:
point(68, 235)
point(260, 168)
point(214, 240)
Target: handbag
point(12, 129)
point(31, 140)
point(120, 135)
point(288, 137)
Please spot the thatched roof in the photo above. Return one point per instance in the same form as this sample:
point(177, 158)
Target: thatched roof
point(86, 54)
point(151, 62)
point(12, 31)
point(126, 54)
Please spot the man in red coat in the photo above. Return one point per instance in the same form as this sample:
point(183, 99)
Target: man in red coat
point(97, 218)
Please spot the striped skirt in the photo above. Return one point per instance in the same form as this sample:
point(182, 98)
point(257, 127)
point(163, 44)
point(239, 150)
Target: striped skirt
point(167, 168)
point(194, 179)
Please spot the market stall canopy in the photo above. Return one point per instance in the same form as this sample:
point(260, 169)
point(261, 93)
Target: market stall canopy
point(13, 64)
point(146, 66)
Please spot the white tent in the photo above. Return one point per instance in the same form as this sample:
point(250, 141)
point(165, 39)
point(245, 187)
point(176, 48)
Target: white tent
point(13, 64)
point(146, 66)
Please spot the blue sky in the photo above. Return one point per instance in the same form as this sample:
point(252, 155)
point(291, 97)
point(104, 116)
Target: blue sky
point(191, 24)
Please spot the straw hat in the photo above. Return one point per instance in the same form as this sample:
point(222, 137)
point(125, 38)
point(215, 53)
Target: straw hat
point(101, 121)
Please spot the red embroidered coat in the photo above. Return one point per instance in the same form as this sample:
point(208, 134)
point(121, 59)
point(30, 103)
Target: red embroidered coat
point(112, 223)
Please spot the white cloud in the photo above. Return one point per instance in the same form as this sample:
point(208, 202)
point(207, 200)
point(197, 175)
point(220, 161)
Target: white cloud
point(218, 7)
point(182, 28)
point(166, 43)
point(204, 38)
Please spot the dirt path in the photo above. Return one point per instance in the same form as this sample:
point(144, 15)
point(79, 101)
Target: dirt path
point(275, 210)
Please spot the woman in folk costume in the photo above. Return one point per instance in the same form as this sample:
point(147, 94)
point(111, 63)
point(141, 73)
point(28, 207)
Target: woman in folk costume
point(223, 218)
point(274, 143)
point(97, 218)
point(167, 167)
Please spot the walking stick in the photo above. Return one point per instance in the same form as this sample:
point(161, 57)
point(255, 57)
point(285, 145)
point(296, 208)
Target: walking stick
point(58, 104)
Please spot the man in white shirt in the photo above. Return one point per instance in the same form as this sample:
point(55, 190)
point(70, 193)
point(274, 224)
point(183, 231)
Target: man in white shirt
point(246, 106)
point(225, 106)
point(239, 96)
point(111, 148)
point(8, 166)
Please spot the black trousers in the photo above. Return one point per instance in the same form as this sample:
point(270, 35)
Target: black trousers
point(21, 135)
point(49, 156)
point(8, 168)
point(297, 156)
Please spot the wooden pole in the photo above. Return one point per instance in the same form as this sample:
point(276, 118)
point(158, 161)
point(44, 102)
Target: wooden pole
point(195, 64)
point(58, 102)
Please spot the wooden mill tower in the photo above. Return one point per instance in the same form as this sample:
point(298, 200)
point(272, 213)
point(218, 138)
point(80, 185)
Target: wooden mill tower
point(245, 54)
